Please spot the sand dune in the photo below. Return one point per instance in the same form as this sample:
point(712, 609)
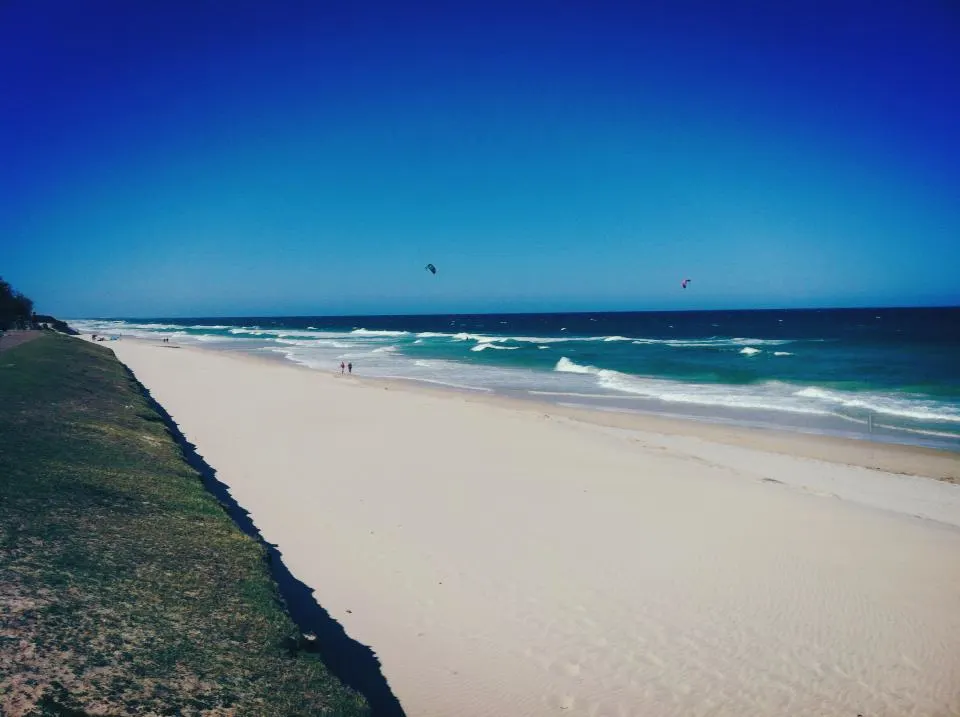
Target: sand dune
point(504, 561)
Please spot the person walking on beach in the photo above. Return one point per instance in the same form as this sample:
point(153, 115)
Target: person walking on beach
point(350, 367)
point(342, 367)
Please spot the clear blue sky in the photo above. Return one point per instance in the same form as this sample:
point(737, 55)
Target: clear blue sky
point(189, 157)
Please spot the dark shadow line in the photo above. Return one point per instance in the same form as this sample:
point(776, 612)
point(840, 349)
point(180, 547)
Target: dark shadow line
point(353, 663)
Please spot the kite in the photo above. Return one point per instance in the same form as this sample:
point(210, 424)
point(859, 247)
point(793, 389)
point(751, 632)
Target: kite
point(684, 283)
point(431, 268)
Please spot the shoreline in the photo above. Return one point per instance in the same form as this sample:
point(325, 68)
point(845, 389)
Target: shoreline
point(901, 458)
point(893, 457)
point(502, 560)
point(875, 377)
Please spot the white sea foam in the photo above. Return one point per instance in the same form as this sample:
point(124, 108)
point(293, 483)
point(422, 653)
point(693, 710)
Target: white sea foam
point(155, 327)
point(96, 326)
point(482, 346)
point(380, 352)
point(565, 365)
point(284, 334)
point(551, 339)
point(291, 333)
point(369, 332)
point(580, 394)
point(122, 328)
point(903, 407)
point(493, 338)
point(314, 343)
point(769, 397)
point(449, 384)
point(715, 342)
point(489, 339)
point(921, 431)
point(302, 360)
point(483, 338)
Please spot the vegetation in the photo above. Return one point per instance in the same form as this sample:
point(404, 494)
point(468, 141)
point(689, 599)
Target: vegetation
point(125, 588)
point(43, 321)
point(16, 310)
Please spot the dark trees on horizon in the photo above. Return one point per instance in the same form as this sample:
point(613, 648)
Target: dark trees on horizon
point(16, 310)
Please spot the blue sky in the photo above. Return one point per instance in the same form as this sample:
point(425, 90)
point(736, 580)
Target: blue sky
point(229, 158)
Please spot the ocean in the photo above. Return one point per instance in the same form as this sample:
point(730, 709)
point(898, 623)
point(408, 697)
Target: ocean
point(879, 374)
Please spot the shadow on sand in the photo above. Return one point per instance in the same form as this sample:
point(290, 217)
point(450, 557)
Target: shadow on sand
point(353, 664)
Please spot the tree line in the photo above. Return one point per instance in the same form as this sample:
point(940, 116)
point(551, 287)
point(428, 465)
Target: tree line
point(16, 310)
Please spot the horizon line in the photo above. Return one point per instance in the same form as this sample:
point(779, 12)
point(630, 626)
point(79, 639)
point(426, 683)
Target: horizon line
point(511, 313)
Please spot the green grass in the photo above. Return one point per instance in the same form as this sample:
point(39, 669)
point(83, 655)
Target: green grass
point(125, 588)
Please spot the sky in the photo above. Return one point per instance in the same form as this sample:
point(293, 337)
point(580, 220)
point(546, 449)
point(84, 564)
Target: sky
point(201, 158)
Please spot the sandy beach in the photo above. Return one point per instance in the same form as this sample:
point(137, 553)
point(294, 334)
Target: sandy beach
point(506, 559)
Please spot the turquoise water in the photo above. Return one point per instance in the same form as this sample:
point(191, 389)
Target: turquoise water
point(886, 374)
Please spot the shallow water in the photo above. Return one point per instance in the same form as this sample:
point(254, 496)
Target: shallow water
point(889, 374)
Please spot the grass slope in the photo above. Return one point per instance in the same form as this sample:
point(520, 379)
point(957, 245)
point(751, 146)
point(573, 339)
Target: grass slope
point(124, 586)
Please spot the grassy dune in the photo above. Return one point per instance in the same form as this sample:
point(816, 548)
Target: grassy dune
point(124, 586)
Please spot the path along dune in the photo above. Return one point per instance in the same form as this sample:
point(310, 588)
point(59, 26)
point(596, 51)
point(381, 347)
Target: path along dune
point(507, 561)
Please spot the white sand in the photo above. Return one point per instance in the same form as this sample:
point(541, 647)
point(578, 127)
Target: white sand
point(509, 562)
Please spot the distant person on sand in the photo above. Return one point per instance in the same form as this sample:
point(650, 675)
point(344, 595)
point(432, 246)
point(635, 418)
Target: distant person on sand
point(342, 366)
point(350, 367)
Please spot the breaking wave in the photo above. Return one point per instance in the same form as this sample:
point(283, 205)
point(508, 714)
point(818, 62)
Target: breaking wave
point(754, 380)
point(769, 395)
point(702, 394)
point(715, 342)
point(891, 405)
point(482, 346)
point(368, 332)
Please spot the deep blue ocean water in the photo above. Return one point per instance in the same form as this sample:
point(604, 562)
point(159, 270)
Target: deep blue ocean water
point(887, 374)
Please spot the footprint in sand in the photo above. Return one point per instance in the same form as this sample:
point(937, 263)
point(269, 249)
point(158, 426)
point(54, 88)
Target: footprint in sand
point(561, 702)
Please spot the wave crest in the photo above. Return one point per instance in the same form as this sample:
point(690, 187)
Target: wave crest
point(902, 407)
point(565, 365)
point(482, 346)
point(371, 332)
